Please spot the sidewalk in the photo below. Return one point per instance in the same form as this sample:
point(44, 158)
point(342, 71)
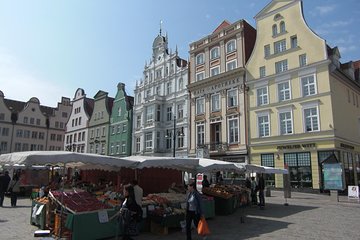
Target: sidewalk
point(308, 216)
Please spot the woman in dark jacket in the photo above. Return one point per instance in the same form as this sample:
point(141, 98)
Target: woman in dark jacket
point(194, 209)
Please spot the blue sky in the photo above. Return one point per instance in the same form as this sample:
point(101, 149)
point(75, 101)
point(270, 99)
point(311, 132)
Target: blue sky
point(48, 49)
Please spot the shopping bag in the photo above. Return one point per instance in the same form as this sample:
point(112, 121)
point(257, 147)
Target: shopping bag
point(203, 228)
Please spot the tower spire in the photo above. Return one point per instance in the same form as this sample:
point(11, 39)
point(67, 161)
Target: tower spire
point(160, 26)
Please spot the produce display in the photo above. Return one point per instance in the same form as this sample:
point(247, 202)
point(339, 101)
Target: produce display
point(225, 191)
point(164, 204)
point(78, 201)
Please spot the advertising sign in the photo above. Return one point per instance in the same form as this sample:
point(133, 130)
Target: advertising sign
point(353, 192)
point(333, 176)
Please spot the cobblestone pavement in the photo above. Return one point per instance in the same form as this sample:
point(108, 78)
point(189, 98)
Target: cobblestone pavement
point(308, 216)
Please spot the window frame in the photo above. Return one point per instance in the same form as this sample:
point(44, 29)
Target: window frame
point(233, 130)
point(229, 97)
point(262, 98)
point(284, 91)
point(200, 106)
point(200, 58)
point(261, 125)
point(215, 50)
point(308, 85)
point(286, 121)
point(229, 49)
point(213, 107)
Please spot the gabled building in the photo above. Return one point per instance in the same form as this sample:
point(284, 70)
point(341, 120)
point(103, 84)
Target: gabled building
point(29, 126)
point(217, 92)
point(76, 136)
point(98, 137)
point(120, 129)
point(160, 124)
point(303, 103)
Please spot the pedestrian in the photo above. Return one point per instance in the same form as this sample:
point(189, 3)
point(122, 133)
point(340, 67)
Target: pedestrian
point(127, 213)
point(205, 182)
point(253, 191)
point(138, 191)
point(261, 187)
point(14, 189)
point(4, 183)
point(194, 209)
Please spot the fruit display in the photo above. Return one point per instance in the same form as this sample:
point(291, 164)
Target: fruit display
point(218, 191)
point(78, 201)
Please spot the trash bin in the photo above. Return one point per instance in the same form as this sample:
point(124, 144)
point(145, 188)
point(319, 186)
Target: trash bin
point(268, 192)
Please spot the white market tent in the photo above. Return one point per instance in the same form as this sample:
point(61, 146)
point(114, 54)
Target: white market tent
point(261, 169)
point(61, 158)
point(209, 165)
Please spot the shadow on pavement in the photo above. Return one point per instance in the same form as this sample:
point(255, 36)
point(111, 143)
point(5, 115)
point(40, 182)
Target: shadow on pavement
point(277, 210)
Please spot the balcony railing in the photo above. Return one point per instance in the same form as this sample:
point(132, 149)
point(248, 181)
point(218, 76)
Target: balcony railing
point(220, 147)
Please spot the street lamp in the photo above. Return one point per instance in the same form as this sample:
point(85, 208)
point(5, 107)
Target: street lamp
point(175, 133)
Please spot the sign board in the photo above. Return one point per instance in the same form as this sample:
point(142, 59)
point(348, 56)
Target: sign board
point(334, 178)
point(353, 192)
point(103, 216)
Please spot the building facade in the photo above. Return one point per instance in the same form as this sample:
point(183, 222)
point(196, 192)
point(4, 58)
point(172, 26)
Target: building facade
point(76, 136)
point(298, 96)
point(217, 92)
point(29, 126)
point(160, 121)
point(121, 120)
point(98, 137)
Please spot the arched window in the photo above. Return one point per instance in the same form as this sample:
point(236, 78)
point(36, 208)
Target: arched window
point(282, 27)
point(231, 46)
point(139, 98)
point(214, 53)
point(200, 58)
point(274, 30)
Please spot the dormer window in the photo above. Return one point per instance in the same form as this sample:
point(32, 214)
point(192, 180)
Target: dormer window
point(200, 59)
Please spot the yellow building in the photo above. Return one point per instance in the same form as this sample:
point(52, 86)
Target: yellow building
point(303, 103)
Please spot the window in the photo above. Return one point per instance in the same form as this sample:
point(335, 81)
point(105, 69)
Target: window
point(83, 136)
point(112, 149)
point(103, 131)
point(308, 85)
point(5, 132)
point(168, 88)
point(215, 103)
point(26, 133)
point(56, 124)
point(118, 128)
point(42, 135)
point(231, 65)
point(2, 116)
point(139, 98)
point(181, 84)
point(293, 41)
point(262, 71)
point(25, 147)
point(280, 46)
point(168, 137)
point(79, 137)
point(299, 169)
point(268, 161)
point(231, 46)
point(286, 123)
point(200, 76)
point(19, 133)
point(233, 130)
point(26, 120)
point(64, 114)
point(119, 111)
point(232, 98)
point(158, 73)
point(137, 144)
point(3, 146)
point(117, 147)
point(53, 137)
point(282, 27)
point(79, 120)
point(214, 71)
point(200, 106)
point(274, 30)
point(180, 138)
point(263, 125)
point(281, 66)
point(200, 133)
point(267, 50)
point(149, 113)
point(158, 113)
point(311, 119)
point(38, 121)
point(123, 147)
point(98, 132)
point(302, 60)
point(284, 91)
point(34, 135)
point(262, 96)
point(180, 111)
point(148, 140)
point(138, 121)
point(124, 127)
point(214, 53)
point(32, 120)
point(17, 147)
point(158, 90)
point(200, 59)
point(168, 113)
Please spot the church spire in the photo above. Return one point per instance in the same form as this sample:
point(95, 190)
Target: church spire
point(160, 26)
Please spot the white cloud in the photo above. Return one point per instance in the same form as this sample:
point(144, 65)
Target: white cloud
point(322, 10)
point(339, 23)
point(17, 83)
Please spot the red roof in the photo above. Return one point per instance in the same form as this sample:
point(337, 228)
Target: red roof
point(224, 24)
point(356, 64)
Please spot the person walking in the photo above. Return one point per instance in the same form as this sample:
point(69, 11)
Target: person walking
point(194, 209)
point(138, 191)
point(205, 182)
point(4, 184)
point(261, 187)
point(14, 189)
point(253, 191)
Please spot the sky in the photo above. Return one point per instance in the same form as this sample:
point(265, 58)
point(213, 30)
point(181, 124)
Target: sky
point(49, 49)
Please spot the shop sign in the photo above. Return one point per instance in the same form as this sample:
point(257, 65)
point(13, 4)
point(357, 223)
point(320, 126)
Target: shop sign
point(334, 178)
point(296, 146)
point(353, 192)
point(103, 216)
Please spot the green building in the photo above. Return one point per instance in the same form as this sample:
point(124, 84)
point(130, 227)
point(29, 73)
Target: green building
point(120, 130)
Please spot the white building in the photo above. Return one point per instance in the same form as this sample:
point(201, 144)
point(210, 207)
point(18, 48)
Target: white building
point(76, 135)
point(161, 104)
